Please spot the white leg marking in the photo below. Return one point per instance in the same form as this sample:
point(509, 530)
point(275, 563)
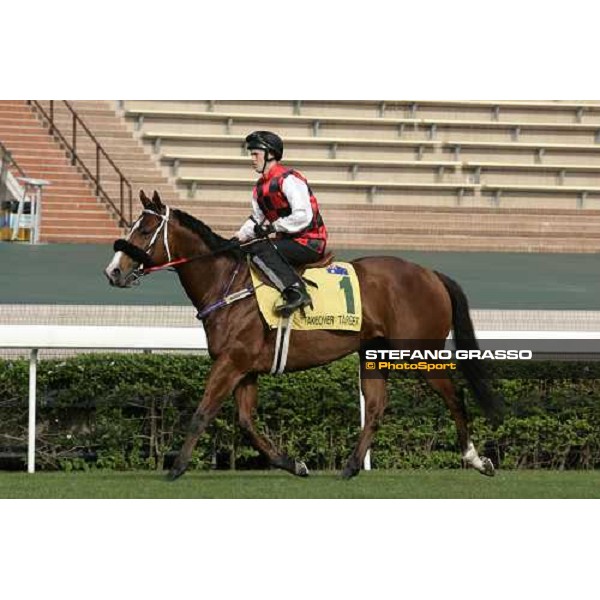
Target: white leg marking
point(482, 464)
point(471, 456)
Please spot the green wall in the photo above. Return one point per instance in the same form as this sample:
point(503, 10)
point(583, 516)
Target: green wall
point(73, 274)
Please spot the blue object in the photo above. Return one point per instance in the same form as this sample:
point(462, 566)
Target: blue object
point(337, 270)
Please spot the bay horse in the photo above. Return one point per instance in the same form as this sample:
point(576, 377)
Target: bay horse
point(400, 300)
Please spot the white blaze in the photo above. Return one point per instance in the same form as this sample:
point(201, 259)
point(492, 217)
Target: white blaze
point(114, 263)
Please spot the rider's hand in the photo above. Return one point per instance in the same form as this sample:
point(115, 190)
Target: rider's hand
point(263, 231)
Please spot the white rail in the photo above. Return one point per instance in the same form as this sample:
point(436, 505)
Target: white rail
point(37, 337)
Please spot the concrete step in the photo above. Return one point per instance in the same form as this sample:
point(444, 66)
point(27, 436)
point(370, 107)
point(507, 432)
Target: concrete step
point(73, 214)
point(58, 172)
point(439, 229)
point(59, 202)
point(39, 143)
point(81, 223)
point(75, 238)
point(15, 114)
point(49, 163)
point(80, 229)
point(17, 125)
point(69, 184)
point(83, 139)
point(68, 194)
point(6, 104)
point(462, 243)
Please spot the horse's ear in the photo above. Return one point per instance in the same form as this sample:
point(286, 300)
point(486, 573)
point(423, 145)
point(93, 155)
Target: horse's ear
point(145, 200)
point(157, 201)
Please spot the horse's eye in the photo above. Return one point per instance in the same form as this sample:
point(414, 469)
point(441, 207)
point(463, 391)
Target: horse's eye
point(145, 232)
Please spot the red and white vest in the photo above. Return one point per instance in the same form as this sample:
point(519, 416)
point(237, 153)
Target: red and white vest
point(268, 193)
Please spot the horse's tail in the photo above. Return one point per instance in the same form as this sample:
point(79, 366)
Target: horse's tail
point(474, 371)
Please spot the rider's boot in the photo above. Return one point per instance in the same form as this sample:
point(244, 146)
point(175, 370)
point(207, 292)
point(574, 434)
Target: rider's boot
point(295, 297)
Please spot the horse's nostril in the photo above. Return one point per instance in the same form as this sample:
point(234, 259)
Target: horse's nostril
point(113, 275)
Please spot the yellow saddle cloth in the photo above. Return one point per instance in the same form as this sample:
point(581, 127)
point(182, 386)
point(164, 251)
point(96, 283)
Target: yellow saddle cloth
point(336, 299)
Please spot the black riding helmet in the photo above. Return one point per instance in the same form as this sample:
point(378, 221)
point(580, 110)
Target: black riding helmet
point(267, 141)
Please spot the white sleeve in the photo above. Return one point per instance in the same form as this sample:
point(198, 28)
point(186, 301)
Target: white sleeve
point(296, 192)
point(246, 231)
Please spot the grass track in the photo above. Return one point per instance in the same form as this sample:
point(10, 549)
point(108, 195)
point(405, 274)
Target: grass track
point(275, 484)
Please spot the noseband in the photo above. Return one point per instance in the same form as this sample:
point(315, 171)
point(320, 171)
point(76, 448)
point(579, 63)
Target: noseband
point(135, 253)
point(142, 256)
point(148, 265)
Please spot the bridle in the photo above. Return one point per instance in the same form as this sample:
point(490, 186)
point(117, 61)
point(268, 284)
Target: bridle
point(143, 257)
point(164, 227)
point(147, 265)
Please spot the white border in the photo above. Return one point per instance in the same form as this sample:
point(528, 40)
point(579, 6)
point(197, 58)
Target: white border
point(295, 549)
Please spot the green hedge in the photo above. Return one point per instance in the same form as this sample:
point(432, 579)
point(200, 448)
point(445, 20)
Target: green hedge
point(131, 411)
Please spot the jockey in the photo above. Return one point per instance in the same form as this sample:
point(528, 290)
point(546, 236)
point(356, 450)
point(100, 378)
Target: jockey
point(282, 203)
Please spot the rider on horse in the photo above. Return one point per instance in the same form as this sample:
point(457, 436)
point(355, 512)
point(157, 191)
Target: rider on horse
point(282, 203)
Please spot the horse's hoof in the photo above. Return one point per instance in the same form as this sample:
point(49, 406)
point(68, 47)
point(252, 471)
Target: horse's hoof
point(175, 473)
point(301, 470)
point(349, 473)
point(487, 467)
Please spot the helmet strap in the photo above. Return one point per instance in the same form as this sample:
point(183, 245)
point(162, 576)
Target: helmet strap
point(265, 161)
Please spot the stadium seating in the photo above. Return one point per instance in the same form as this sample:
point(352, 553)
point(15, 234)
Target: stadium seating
point(366, 133)
point(473, 175)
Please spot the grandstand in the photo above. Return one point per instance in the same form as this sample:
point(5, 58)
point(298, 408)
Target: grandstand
point(401, 177)
point(412, 175)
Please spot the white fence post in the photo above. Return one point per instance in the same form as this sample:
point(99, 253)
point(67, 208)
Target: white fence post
point(32, 405)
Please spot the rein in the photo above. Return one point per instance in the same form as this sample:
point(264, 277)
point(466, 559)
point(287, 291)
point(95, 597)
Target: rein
point(181, 261)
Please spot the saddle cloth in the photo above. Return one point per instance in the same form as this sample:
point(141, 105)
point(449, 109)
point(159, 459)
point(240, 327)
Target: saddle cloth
point(336, 299)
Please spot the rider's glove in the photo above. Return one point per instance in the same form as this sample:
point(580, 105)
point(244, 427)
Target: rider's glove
point(263, 231)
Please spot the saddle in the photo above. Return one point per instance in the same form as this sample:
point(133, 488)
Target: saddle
point(322, 263)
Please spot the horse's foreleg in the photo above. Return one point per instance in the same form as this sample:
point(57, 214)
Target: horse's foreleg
point(246, 395)
point(457, 408)
point(222, 379)
point(375, 394)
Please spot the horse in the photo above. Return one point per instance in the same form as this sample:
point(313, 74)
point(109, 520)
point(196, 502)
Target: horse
point(400, 300)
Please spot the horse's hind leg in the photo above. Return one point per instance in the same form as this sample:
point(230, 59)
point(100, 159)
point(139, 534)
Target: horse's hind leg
point(457, 408)
point(375, 394)
point(246, 396)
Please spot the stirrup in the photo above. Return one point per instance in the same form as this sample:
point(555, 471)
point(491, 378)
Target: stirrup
point(285, 310)
point(304, 300)
point(303, 308)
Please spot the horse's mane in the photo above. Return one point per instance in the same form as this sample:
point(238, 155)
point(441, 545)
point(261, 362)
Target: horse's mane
point(213, 240)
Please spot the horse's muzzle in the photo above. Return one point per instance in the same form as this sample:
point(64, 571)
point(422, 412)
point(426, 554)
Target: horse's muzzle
point(126, 277)
point(116, 277)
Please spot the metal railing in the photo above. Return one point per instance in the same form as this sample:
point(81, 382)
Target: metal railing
point(7, 161)
point(72, 141)
point(21, 199)
point(7, 192)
